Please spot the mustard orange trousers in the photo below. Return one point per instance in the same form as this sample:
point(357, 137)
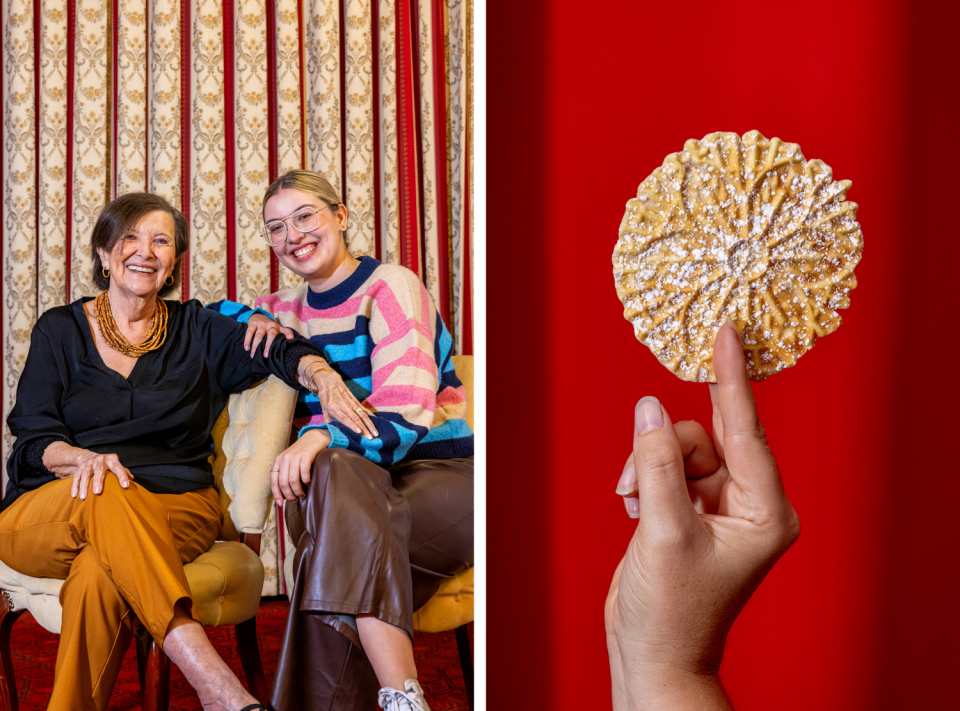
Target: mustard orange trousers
point(119, 552)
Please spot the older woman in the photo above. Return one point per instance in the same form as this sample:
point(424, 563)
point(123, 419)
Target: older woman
point(388, 513)
point(110, 488)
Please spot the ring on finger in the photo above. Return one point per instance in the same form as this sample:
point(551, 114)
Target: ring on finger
point(358, 410)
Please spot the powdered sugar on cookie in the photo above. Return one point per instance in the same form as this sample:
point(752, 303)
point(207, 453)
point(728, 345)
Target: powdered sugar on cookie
point(745, 229)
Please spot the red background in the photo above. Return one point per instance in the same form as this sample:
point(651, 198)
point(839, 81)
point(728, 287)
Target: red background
point(585, 100)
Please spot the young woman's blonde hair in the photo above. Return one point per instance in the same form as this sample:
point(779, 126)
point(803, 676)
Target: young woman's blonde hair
point(306, 181)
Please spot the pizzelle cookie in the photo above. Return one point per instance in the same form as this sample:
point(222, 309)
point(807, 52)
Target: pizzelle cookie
point(745, 229)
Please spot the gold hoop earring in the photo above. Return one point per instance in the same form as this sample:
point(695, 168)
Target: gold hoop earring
point(105, 272)
point(169, 280)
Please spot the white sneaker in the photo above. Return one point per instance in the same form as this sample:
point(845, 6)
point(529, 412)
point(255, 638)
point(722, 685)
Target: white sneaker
point(410, 699)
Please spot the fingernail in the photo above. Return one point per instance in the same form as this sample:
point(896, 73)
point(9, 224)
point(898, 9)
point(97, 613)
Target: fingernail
point(633, 506)
point(124, 485)
point(628, 480)
point(733, 326)
point(648, 415)
point(96, 490)
point(369, 437)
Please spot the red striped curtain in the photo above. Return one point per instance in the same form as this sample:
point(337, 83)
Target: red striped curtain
point(205, 102)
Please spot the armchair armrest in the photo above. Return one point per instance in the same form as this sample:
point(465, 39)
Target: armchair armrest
point(252, 430)
point(463, 364)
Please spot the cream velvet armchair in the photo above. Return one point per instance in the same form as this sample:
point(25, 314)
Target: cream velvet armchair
point(226, 581)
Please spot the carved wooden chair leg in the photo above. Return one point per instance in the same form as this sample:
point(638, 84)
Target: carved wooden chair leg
point(8, 682)
point(156, 695)
point(143, 640)
point(466, 661)
point(249, 653)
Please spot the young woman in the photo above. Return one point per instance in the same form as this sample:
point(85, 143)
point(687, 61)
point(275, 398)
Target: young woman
point(379, 483)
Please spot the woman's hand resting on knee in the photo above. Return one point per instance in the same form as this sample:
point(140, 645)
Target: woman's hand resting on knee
point(85, 467)
point(294, 464)
point(713, 520)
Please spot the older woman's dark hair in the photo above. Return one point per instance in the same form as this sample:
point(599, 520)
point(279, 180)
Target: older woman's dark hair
point(120, 216)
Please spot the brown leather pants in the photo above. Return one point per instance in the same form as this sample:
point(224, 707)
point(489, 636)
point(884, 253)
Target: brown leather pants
point(371, 542)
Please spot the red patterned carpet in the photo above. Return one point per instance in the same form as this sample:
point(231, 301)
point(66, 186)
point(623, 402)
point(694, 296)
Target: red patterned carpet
point(35, 653)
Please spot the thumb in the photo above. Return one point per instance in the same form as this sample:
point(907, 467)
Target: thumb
point(658, 461)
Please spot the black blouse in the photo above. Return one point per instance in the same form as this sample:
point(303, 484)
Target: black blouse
point(157, 420)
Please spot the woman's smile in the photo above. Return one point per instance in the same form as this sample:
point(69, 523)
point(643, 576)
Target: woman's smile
point(303, 252)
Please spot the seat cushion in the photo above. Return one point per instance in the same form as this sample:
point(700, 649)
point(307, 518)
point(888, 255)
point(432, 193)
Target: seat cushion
point(225, 583)
point(450, 607)
point(41, 596)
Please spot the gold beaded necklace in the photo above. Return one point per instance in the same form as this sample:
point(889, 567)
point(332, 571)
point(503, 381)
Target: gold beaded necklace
point(115, 339)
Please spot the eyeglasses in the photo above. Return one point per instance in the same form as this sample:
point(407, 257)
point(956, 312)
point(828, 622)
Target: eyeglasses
point(306, 219)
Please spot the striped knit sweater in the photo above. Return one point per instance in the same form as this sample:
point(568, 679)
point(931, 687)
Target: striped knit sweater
point(380, 330)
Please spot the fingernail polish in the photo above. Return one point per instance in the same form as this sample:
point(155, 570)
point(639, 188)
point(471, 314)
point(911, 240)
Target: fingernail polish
point(633, 506)
point(649, 415)
point(628, 481)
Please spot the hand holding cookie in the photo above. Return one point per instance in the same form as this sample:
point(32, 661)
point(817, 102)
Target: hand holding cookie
point(701, 547)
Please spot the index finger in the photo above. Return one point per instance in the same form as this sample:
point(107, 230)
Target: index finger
point(744, 444)
point(248, 336)
point(122, 473)
point(293, 479)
